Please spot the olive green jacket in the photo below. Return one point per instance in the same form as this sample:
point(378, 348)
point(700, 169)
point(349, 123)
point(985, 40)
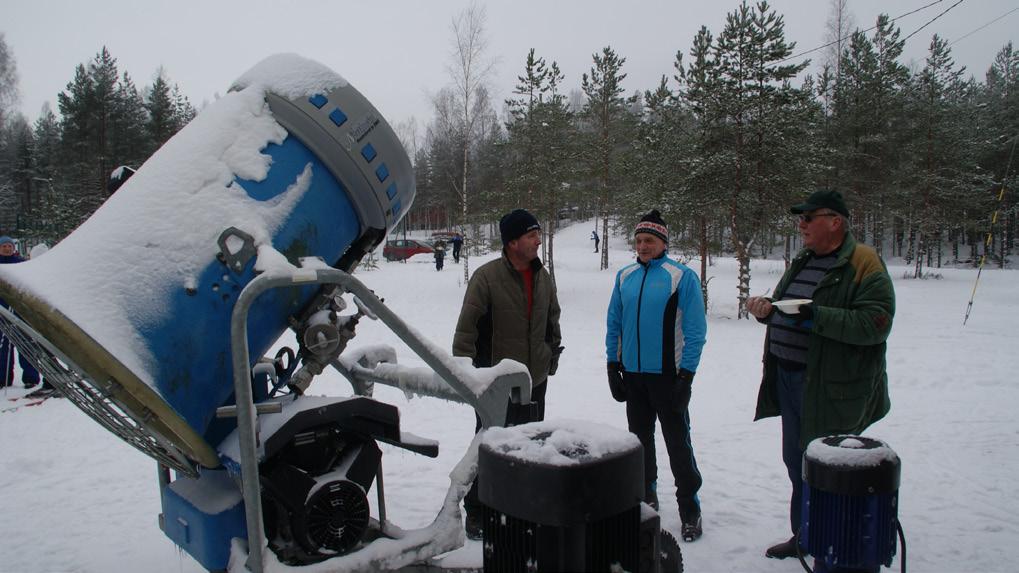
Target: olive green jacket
point(846, 384)
point(493, 322)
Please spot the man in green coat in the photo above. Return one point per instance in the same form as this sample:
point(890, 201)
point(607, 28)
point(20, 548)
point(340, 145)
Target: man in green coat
point(824, 361)
point(511, 310)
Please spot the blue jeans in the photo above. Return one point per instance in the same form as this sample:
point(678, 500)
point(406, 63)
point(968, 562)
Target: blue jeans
point(790, 401)
point(29, 375)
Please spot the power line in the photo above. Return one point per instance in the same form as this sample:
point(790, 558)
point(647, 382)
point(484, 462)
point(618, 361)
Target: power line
point(968, 34)
point(832, 43)
point(931, 21)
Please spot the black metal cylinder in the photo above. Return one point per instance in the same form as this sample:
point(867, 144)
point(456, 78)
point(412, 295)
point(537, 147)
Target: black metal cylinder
point(558, 498)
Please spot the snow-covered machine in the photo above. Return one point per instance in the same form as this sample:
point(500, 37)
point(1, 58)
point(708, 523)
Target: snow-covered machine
point(154, 317)
point(566, 496)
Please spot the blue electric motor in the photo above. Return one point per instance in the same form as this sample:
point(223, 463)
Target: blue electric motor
point(850, 504)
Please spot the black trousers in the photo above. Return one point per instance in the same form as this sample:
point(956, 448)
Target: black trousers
point(471, 501)
point(652, 397)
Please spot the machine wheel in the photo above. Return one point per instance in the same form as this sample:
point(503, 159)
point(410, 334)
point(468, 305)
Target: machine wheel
point(672, 556)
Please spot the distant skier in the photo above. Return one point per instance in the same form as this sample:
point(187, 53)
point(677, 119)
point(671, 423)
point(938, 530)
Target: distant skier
point(594, 237)
point(458, 242)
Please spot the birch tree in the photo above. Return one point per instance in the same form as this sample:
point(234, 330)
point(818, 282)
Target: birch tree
point(469, 70)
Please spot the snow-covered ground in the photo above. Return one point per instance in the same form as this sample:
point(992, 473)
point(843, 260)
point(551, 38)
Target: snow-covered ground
point(75, 498)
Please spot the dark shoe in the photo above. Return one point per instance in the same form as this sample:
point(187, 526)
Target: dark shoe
point(692, 529)
point(43, 393)
point(782, 550)
point(472, 526)
point(29, 385)
point(651, 496)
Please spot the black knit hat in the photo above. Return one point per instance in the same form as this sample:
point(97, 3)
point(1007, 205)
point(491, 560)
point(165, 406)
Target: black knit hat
point(653, 224)
point(516, 224)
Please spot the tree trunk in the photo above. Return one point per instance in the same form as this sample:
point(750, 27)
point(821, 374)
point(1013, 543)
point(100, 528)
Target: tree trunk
point(743, 260)
point(704, 260)
point(918, 266)
point(1001, 247)
point(604, 242)
point(465, 248)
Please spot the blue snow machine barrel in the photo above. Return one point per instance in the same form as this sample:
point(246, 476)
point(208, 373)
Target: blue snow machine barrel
point(129, 316)
point(566, 496)
point(850, 504)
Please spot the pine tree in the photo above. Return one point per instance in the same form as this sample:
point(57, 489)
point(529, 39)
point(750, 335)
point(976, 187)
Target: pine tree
point(183, 111)
point(609, 133)
point(103, 70)
point(76, 104)
point(999, 122)
point(45, 158)
point(541, 147)
point(940, 169)
point(159, 103)
point(524, 132)
point(867, 114)
point(706, 165)
point(130, 145)
point(753, 90)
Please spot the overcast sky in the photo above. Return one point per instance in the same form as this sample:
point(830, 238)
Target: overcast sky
point(397, 51)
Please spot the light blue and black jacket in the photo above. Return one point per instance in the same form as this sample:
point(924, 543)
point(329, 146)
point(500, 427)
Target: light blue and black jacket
point(656, 321)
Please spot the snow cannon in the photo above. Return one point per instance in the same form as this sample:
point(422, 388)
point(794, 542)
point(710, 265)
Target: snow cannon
point(129, 316)
point(566, 496)
point(850, 504)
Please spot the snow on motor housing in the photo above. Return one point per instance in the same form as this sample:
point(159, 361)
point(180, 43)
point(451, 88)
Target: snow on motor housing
point(130, 314)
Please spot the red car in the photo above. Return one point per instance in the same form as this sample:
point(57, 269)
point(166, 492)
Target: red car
point(400, 249)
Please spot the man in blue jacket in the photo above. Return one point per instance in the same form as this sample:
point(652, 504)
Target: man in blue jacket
point(656, 330)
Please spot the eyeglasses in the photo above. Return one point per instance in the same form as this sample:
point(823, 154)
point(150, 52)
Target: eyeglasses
point(808, 217)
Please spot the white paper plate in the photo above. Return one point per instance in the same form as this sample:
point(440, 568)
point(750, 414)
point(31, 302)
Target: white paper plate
point(791, 306)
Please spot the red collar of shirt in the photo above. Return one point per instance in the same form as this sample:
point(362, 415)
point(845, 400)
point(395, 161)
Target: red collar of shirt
point(528, 276)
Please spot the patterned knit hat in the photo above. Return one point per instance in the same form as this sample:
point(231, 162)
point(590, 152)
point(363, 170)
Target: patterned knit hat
point(653, 224)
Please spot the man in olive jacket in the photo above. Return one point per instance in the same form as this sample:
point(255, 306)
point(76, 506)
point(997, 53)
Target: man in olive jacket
point(511, 310)
point(824, 361)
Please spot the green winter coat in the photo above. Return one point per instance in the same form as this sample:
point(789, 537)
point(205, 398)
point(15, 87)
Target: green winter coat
point(846, 384)
point(493, 322)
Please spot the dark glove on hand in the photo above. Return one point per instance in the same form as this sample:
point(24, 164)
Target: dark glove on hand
point(554, 364)
point(684, 383)
point(806, 314)
point(616, 385)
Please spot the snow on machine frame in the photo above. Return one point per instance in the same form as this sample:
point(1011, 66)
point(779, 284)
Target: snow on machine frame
point(154, 317)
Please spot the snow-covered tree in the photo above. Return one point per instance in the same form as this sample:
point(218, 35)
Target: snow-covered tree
point(608, 125)
point(753, 82)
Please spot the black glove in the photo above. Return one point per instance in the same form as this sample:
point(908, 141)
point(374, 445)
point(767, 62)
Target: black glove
point(684, 385)
point(616, 385)
point(554, 363)
point(806, 314)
